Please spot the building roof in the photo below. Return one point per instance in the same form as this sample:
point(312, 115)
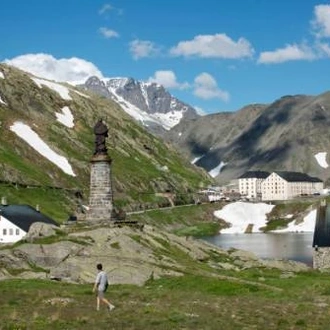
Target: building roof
point(255, 175)
point(297, 177)
point(322, 227)
point(23, 216)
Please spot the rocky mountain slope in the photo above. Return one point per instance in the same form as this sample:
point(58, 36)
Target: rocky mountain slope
point(284, 135)
point(47, 140)
point(149, 103)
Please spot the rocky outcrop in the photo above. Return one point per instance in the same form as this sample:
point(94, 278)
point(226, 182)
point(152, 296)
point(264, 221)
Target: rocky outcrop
point(40, 229)
point(129, 255)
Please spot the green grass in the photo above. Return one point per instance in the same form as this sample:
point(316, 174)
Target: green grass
point(187, 302)
point(291, 207)
point(137, 172)
point(192, 220)
point(22, 166)
point(55, 203)
point(199, 230)
point(276, 224)
point(202, 298)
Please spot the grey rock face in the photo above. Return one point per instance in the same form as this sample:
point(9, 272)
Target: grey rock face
point(129, 256)
point(96, 85)
point(39, 229)
point(150, 98)
point(284, 135)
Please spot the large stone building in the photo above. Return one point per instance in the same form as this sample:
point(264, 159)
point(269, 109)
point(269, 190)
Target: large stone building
point(278, 185)
point(250, 183)
point(283, 185)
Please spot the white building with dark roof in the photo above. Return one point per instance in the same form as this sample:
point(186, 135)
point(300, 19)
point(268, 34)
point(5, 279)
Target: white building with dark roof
point(15, 221)
point(250, 183)
point(283, 185)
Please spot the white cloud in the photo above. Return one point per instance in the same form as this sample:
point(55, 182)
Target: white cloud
point(294, 52)
point(143, 48)
point(324, 49)
point(321, 21)
point(167, 79)
point(106, 7)
point(206, 88)
point(108, 33)
point(288, 53)
point(72, 70)
point(218, 46)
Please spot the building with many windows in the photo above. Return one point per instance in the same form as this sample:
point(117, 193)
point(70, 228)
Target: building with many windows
point(250, 184)
point(278, 185)
point(283, 185)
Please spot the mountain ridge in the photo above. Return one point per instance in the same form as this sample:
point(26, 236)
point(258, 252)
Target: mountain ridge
point(142, 164)
point(283, 135)
point(149, 103)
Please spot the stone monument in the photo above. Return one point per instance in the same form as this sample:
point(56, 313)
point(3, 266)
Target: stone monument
point(100, 197)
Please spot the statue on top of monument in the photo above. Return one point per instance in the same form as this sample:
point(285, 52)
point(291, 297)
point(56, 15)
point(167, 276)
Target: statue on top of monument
point(101, 133)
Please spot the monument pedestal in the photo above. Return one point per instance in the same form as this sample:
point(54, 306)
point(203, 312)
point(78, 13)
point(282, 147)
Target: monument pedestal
point(100, 197)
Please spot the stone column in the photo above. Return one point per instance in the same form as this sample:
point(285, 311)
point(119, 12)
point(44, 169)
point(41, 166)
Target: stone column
point(100, 197)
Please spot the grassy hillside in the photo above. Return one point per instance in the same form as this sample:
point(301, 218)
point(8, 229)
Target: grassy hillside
point(142, 164)
point(206, 296)
point(213, 292)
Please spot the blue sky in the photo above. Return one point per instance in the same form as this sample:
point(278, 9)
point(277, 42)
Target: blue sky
point(216, 55)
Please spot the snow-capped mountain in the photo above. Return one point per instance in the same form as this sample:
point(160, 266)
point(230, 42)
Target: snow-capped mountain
point(47, 141)
point(148, 103)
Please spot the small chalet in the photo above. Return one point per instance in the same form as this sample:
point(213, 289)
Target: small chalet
point(15, 221)
point(283, 185)
point(250, 183)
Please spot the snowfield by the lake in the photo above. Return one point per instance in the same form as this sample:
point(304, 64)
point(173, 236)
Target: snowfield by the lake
point(241, 214)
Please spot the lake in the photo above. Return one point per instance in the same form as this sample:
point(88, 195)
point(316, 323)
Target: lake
point(291, 246)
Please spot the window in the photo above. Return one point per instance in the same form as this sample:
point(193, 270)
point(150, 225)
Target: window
point(4, 231)
point(17, 231)
point(11, 231)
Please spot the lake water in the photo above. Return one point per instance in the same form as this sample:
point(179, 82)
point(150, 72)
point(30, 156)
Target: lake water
point(291, 246)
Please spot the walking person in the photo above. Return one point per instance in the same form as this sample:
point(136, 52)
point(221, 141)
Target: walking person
point(101, 285)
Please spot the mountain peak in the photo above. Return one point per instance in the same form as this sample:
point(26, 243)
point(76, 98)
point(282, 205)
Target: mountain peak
point(148, 102)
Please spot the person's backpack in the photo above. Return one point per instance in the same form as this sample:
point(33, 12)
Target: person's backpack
point(106, 285)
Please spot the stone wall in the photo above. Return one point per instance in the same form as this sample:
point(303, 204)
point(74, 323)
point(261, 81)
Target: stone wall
point(321, 257)
point(100, 198)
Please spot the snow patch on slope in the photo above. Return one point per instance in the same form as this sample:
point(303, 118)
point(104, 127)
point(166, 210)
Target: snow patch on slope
point(167, 120)
point(60, 89)
point(32, 138)
point(321, 158)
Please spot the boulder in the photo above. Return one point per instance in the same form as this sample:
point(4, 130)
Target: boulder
point(40, 229)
